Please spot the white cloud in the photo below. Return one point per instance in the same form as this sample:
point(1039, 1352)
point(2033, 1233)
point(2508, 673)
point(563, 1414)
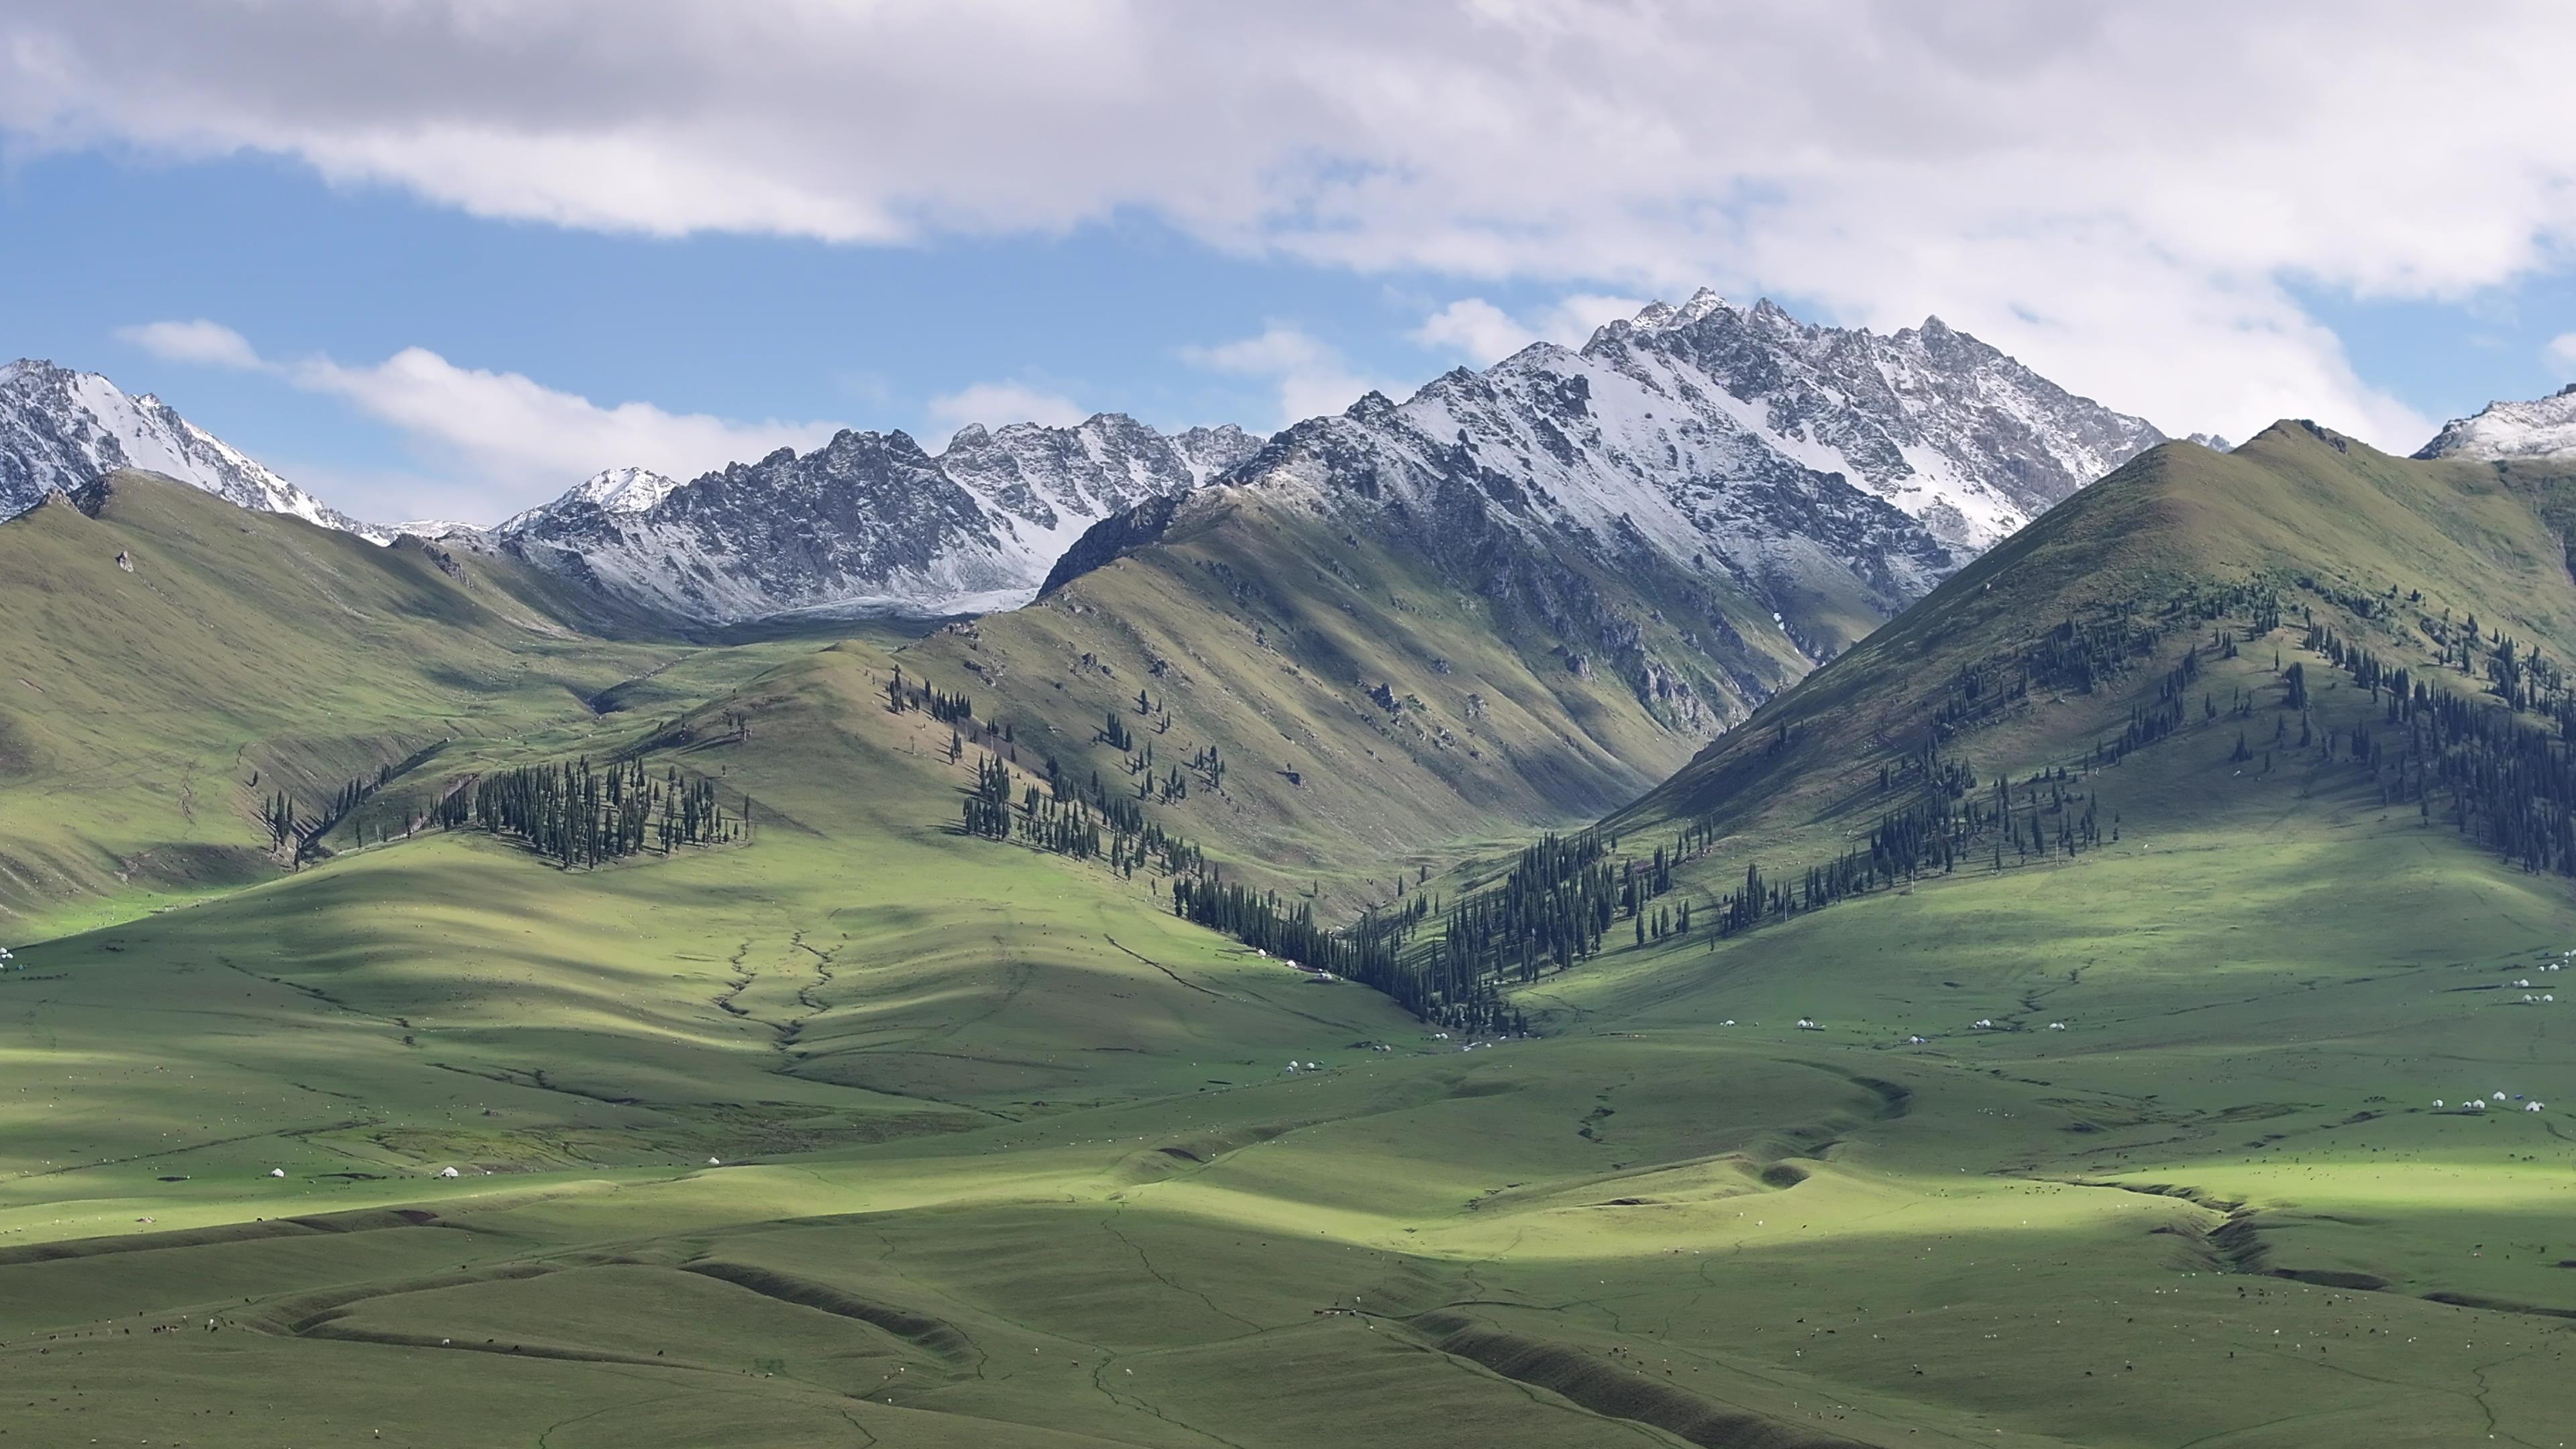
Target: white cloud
point(996, 403)
point(200, 341)
point(506, 439)
point(516, 433)
point(2122, 195)
point(1478, 332)
point(1311, 377)
point(2561, 351)
point(1474, 329)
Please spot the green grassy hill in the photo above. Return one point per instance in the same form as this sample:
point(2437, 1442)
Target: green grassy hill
point(862, 1128)
point(2383, 550)
point(138, 703)
point(1372, 710)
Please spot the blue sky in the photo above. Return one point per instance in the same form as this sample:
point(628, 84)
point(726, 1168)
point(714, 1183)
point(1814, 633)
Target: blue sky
point(445, 259)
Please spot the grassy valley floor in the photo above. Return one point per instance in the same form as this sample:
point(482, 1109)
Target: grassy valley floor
point(1005, 1155)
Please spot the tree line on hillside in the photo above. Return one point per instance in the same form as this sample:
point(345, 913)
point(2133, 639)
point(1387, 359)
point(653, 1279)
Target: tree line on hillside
point(576, 814)
point(1087, 820)
point(2511, 786)
point(1065, 820)
point(1947, 824)
point(287, 825)
point(1938, 817)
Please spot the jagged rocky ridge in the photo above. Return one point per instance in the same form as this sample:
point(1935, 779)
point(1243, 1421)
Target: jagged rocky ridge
point(869, 522)
point(62, 430)
point(1796, 461)
point(1793, 462)
point(2545, 428)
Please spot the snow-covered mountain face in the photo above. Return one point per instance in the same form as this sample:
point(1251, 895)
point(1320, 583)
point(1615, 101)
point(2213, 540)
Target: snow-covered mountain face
point(1795, 459)
point(2504, 430)
point(1943, 426)
point(63, 429)
point(1785, 454)
point(1704, 500)
point(867, 523)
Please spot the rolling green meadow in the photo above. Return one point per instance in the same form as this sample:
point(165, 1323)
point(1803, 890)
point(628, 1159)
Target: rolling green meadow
point(857, 1129)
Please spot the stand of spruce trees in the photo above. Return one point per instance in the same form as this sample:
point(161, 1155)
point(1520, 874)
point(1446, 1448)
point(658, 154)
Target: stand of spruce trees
point(2511, 785)
point(578, 815)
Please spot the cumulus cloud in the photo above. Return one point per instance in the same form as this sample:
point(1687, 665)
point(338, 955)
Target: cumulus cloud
point(513, 429)
point(209, 343)
point(1311, 377)
point(2561, 351)
point(996, 403)
point(508, 439)
point(1478, 332)
point(2122, 195)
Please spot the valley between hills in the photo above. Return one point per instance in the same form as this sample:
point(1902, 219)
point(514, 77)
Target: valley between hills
point(1262, 993)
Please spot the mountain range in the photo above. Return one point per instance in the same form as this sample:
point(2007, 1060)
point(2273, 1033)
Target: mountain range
point(1792, 456)
point(1798, 461)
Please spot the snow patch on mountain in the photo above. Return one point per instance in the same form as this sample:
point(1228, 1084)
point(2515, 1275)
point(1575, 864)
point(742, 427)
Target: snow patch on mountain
point(63, 429)
point(2545, 428)
point(627, 490)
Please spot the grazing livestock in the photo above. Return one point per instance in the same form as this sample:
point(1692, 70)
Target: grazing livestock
point(2057, 1026)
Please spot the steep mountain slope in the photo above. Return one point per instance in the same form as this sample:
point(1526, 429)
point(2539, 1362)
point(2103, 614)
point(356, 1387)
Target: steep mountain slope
point(2545, 428)
point(2395, 555)
point(164, 647)
point(1526, 594)
point(61, 429)
point(1376, 683)
point(867, 523)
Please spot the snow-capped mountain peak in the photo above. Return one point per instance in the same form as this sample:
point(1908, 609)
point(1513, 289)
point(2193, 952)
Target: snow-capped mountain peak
point(626, 490)
point(1950, 430)
point(2542, 428)
point(62, 429)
